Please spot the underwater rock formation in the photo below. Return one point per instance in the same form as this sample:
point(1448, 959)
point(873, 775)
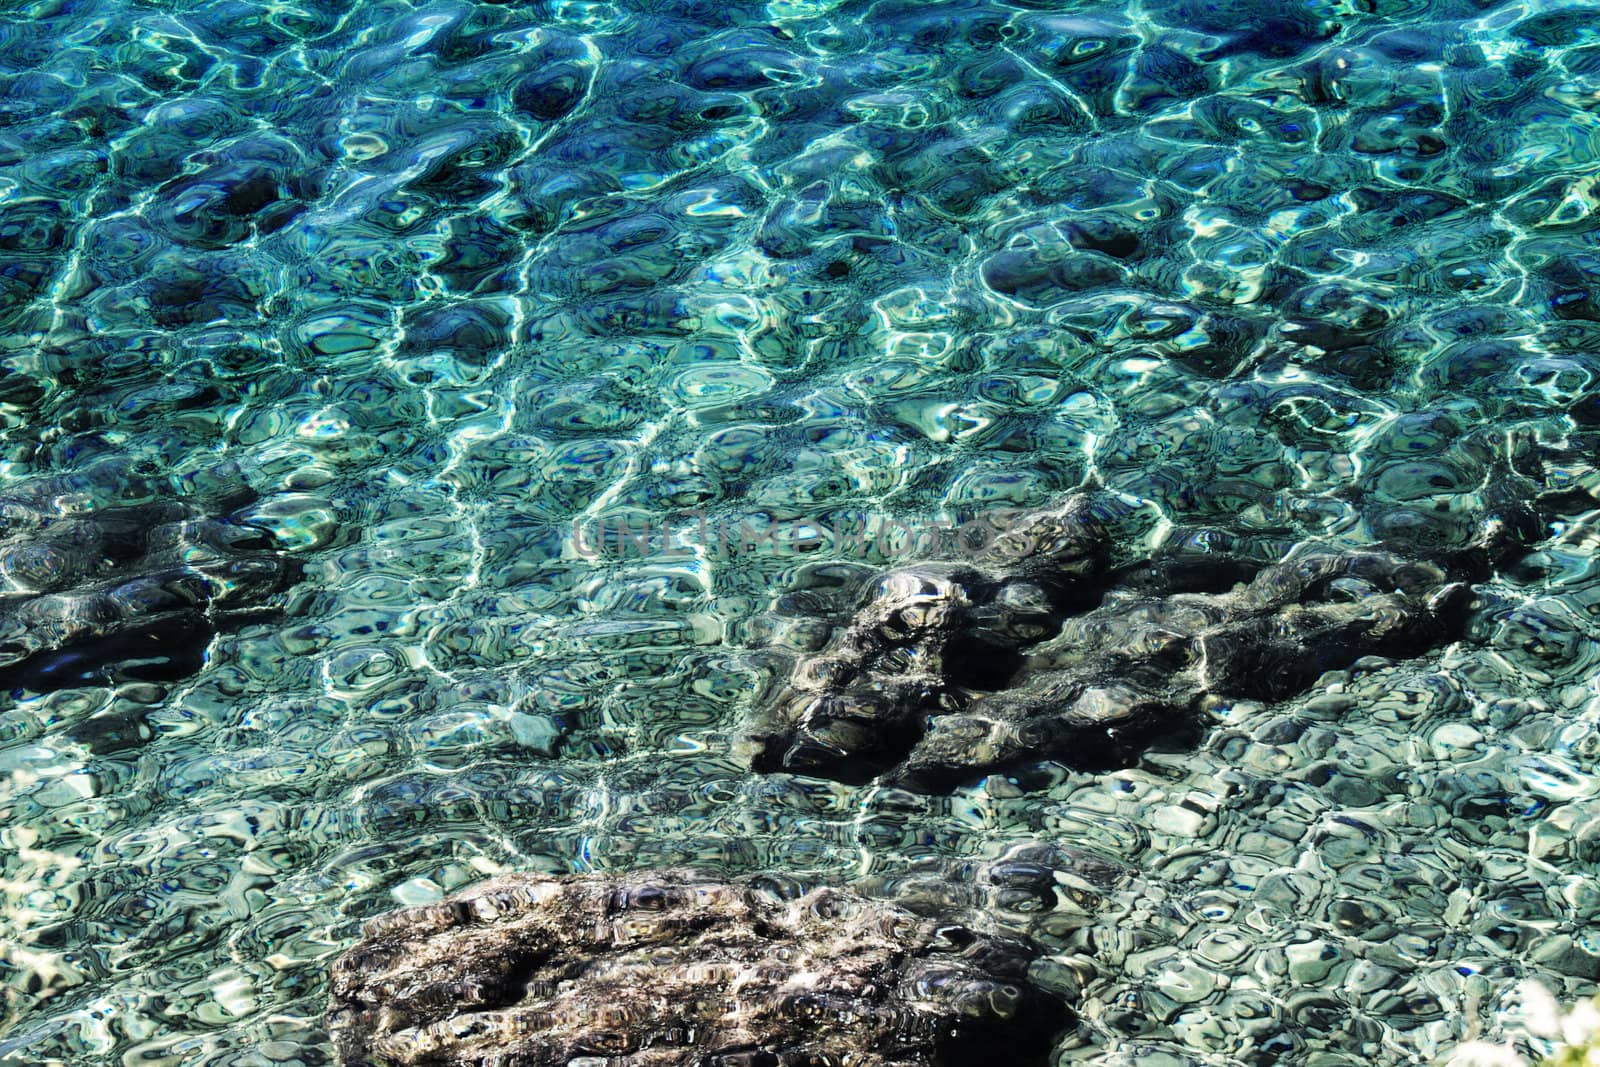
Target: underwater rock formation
point(1038, 651)
point(124, 593)
point(678, 968)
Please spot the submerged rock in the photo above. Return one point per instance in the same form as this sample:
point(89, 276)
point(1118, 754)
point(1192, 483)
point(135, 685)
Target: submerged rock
point(670, 968)
point(125, 593)
point(1037, 650)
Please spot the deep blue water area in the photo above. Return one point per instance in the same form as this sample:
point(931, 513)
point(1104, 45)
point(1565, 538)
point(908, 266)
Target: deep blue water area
point(334, 337)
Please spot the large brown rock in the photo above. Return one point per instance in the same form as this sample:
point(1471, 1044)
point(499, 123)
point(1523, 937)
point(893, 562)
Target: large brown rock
point(678, 968)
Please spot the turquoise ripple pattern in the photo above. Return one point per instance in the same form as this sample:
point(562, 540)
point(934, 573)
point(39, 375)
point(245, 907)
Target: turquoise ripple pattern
point(445, 284)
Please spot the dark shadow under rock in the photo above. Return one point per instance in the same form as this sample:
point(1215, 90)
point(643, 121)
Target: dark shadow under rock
point(677, 968)
point(1036, 650)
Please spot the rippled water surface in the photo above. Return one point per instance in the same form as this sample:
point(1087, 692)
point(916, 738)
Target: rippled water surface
point(326, 329)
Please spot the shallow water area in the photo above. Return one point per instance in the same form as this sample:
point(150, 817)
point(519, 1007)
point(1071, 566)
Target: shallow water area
point(411, 415)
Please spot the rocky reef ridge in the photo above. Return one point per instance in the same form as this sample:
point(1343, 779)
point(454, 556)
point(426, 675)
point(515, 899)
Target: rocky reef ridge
point(1038, 648)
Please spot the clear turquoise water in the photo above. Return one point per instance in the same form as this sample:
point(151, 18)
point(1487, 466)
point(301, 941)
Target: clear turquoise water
point(405, 297)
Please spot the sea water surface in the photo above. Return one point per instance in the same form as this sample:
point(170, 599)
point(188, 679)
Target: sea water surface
point(377, 315)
